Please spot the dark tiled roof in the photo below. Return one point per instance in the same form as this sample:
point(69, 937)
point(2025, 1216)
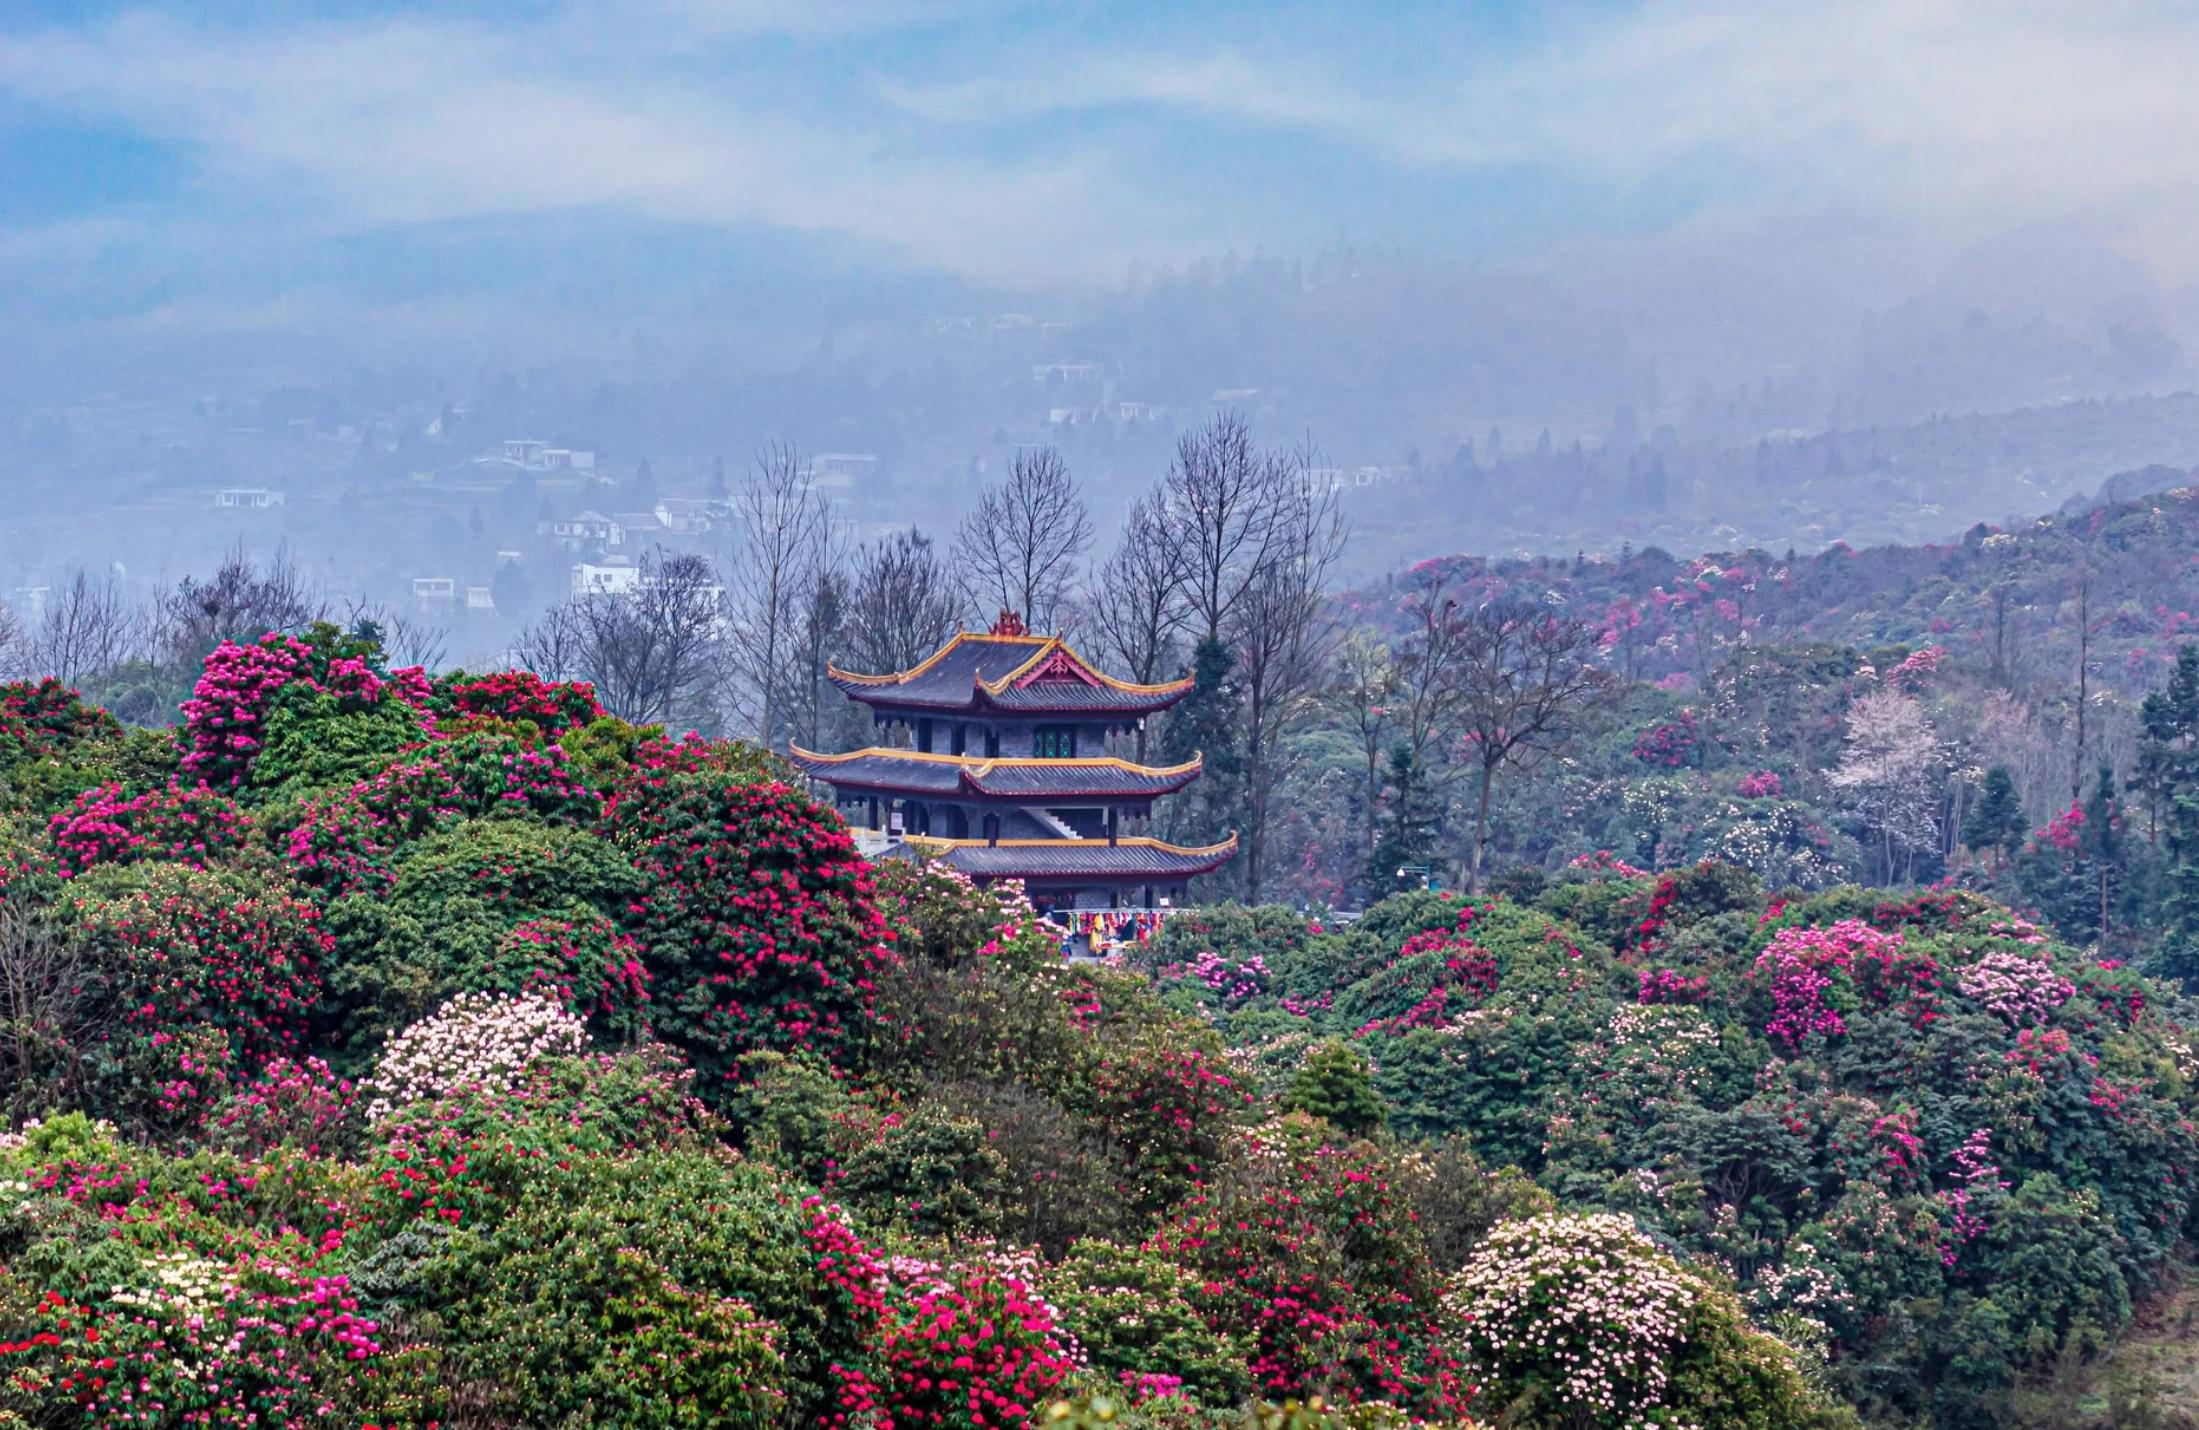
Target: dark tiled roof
point(998, 778)
point(1013, 674)
point(881, 769)
point(1131, 861)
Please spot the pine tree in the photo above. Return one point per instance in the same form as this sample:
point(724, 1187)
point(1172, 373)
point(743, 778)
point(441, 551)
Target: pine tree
point(1205, 723)
point(1407, 836)
point(2100, 851)
point(1996, 824)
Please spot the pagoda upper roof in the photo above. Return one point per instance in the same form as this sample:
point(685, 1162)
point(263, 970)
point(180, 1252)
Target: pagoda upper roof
point(1125, 860)
point(916, 772)
point(1011, 673)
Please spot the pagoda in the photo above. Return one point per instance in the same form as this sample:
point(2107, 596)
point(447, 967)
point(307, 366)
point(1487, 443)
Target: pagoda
point(1008, 776)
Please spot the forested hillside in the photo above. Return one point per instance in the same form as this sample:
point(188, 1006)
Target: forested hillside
point(399, 1050)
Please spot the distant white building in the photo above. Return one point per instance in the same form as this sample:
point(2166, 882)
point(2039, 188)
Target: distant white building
point(248, 499)
point(480, 598)
point(608, 578)
point(434, 588)
point(1044, 372)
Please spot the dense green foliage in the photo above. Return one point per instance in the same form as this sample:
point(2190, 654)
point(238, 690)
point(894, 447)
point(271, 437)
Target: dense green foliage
point(518, 1067)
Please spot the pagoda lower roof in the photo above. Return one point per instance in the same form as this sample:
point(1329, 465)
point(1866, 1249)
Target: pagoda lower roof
point(1013, 675)
point(1129, 861)
point(999, 777)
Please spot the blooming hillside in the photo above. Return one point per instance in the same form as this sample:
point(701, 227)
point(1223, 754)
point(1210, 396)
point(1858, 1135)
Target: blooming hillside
point(396, 1050)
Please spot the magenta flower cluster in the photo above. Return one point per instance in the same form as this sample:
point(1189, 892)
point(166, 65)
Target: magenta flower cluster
point(177, 824)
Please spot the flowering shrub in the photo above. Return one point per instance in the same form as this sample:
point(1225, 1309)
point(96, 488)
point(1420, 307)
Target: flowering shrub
point(40, 719)
point(1671, 744)
point(1446, 968)
point(293, 1102)
point(2021, 989)
point(226, 720)
point(1603, 861)
point(1582, 1308)
point(1813, 975)
point(1763, 784)
point(480, 1042)
point(1670, 985)
point(1233, 980)
point(1135, 1313)
point(177, 947)
point(963, 1347)
point(260, 1339)
point(177, 824)
point(1318, 1267)
point(1604, 1329)
point(1171, 1108)
point(755, 916)
point(512, 697)
point(584, 965)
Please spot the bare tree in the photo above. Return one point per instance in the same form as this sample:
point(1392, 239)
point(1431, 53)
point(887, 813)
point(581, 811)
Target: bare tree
point(47, 1010)
point(240, 602)
point(1132, 607)
point(903, 604)
point(1526, 681)
point(784, 531)
point(1282, 629)
point(1220, 504)
point(1018, 550)
point(820, 628)
point(88, 626)
point(652, 650)
point(15, 646)
point(554, 646)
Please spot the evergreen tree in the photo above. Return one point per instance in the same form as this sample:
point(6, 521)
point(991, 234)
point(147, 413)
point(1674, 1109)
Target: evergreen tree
point(1205, 723)
point(1335, 1083)
point(2169, 718)
point(2100, 853)
point(1995, 827)
point(1407, 835)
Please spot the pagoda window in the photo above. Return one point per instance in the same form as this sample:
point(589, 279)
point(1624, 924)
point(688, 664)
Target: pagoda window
point(961, 737)
point(959, 819)
point(924, 736)
point(1054, 742)
point(992, 744)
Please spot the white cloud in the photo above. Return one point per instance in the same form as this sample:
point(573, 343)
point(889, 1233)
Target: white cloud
point(411, 121)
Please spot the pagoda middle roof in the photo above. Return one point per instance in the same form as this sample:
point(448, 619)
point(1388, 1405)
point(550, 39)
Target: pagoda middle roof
point(1001, 777)
point(1011, 674)
point(1126, 859)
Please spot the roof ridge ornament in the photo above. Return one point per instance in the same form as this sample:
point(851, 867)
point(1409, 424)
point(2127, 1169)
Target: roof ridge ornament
point(1009, 624)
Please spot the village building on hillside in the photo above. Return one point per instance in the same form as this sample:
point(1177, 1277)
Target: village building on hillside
point(1009, 777)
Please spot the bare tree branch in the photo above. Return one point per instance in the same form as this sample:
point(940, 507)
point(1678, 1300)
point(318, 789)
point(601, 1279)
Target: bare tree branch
point(903, 606)
point(785, 529)
point(1283, 629)
point(1018, 551)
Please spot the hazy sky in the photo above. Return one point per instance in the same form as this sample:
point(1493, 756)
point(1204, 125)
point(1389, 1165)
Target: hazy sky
point(259, 162)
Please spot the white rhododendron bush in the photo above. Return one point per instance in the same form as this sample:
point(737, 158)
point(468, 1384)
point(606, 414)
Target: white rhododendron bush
point(1582, 1312)
point(477, 1041)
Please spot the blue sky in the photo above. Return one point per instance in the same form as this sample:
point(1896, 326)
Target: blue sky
point(250, 157)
